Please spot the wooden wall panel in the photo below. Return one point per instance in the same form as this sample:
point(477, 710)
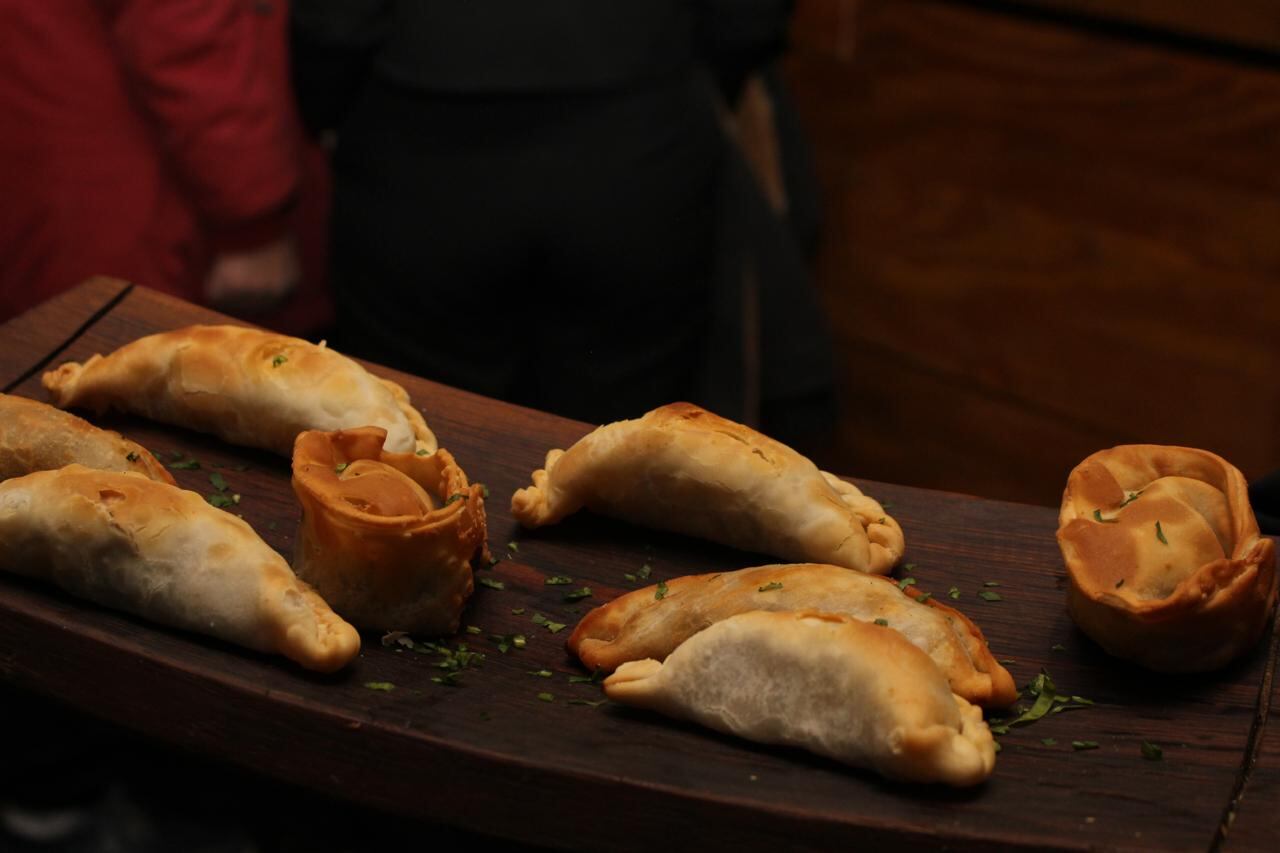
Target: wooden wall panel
point(1040, 241)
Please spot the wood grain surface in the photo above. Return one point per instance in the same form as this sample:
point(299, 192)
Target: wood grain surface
point(491, 756)
point(1040, 241)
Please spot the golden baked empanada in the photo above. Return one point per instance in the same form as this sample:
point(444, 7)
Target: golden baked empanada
point(35, 436)
point(386, 538)
point(682, 468)
point(853, 691)
point(247, 386)
point(642, 625)
point(1166, 564)
point(163, 553)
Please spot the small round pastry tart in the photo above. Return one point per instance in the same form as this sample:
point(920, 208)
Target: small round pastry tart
point(1165, 561)
point(386, 538)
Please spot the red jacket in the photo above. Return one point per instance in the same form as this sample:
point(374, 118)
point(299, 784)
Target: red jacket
point(137, 138)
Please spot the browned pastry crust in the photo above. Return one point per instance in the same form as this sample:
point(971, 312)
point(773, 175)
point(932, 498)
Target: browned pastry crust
point(164, 553)
point(247, 386)
point(682, 468)
point(850, 690)
point(640, 625)
point(35, 436)
point(387, 538)
point(1166, 564)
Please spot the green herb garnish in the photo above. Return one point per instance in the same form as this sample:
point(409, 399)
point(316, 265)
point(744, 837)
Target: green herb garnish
point(541, 673)
point(923, 597)
point(1133, 496)
point(594, 678)
point(222, 501)
point(547, 697)
point(954, 593)
point(770, 586)
point(558, 580)
point(1084, 744)
point(661, 592)
point(513, 546)
point(553, 627)
point(1058, 647)
point(594, 704)
point(219, 482)
point(423, 452)
point(278, 360)
point(131, 456)
point(517, 611)
point(883, 622)
point(456, 496)
point(1160, 534)
point(180, 464)
point(340, 467)
point(1048, 741)
point(906, 582)
point(988, 595)
point(991, 583)
point(578, 594)
point(472, 629)
point(385, 686)
point(1097, 516)
point(492, 584)
point(1151, 751)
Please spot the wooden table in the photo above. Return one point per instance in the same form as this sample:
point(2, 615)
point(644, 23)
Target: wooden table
point(492, 756)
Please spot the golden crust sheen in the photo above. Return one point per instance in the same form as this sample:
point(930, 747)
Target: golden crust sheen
point(1166, 564)
point(35, 436)
point(685, 469)
point(387, 538)
point(850, 690)
point(639, 625)
point(247, 386)
point(165, 554)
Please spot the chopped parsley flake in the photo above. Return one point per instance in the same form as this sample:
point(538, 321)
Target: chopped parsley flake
point(906, 582)
point(492, 584)
point(547, 697)
point(1097, 516)
point(771, 585)
point(177, 463)
point(909, 567)
point(384, 686)
point(558, 580)
point(340, 467)
point(131, 456)
point(594, 678)
point(883, 622)
point(578, 594)
point(278, 360)
point(513, 546)
point(553, 627)
point(1084, 744)
point(423, 452)
point(1048, 741)
point(222, 501)
point(456, 496)
point(219, 482)
point(472, 629)
point(644, 572)
point(954, 593)
point(1133, 496)
point(661, 592)
point(991, 583)
point(1160, 534)
point(1151, 751)
point(988, 595)
point(923, 597)
point(1058, 647)
point(517, 611)
point(541, 673)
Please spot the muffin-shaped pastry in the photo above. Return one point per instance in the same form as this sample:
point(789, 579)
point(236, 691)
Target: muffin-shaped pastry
point(387, 538)
point(1166, 564)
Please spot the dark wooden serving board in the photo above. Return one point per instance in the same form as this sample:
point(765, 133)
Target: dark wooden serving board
point(491, 756)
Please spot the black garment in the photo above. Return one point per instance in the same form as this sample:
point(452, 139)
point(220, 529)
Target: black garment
point(551, 251)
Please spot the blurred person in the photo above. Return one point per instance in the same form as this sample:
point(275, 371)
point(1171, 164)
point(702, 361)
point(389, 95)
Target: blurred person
point(529, 196)
point(152, 140)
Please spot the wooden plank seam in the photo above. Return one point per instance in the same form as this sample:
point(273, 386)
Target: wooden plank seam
point(40, 365)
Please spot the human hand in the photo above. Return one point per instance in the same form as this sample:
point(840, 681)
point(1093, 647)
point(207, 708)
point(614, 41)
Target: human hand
point(253, 281)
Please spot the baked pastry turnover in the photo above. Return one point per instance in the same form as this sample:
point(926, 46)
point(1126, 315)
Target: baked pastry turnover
point(35, 436)
point(387, 538)
point(642, 625)
point(165, 554)
point(682, 468)
point(853, 691)
point(1166, 564)
point(247, 386)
